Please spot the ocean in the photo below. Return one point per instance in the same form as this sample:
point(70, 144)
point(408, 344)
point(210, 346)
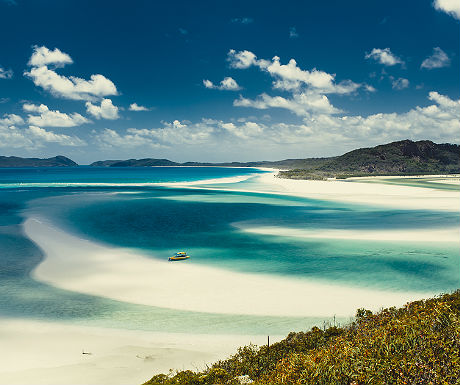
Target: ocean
point(213, 214)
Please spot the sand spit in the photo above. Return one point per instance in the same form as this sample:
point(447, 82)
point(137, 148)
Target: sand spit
point(450, 235)
point(79, 265)
point(356, 191)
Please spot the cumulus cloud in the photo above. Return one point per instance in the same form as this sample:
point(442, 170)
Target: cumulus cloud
point(437, 121)
point(451, 7)
point(71, 87)
point(12, 136)
point(108, 139)
point(106, 110)
point(5, 74)
point(170, 134)
point(43, 56)
point(9, 120)
point(301, 104)
point(369, 88)
point(49, 118)
point(242, 59)
point(290, 77)
point(228, 84)
point(399, 84)
point(308, 87)
point(136, 107)
point(438, 59)
point(384, 56)
point(43, 135)
point(246, 130)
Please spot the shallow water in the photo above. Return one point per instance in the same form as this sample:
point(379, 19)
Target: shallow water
point(209, 225)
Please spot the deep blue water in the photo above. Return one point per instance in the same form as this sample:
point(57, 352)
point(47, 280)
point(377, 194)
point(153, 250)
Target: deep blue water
point(207, 223)
point(88, 174)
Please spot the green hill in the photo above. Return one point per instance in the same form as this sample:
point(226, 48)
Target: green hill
point(416, 344)
point(398, 158)
point(57, 161)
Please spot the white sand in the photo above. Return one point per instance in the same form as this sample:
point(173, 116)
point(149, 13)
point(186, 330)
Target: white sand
point(430, 235)
point(79, 265)
point(379, 194)
point(45, 353)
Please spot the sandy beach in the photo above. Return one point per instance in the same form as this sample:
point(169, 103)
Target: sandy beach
point(357, 190)
point(50, 353)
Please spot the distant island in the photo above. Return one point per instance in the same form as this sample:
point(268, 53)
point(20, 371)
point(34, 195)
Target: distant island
point(404, 157)
point(57, 161)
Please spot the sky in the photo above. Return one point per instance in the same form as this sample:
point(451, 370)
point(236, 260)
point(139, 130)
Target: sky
point(225, 80)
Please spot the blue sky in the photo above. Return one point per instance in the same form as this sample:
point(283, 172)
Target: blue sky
point(225, 80)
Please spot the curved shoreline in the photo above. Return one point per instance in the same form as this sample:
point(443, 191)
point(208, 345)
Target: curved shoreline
point(355, 192)
point(78, 265)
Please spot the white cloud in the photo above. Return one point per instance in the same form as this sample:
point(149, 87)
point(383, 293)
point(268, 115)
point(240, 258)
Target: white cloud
point(13, 137)
point(105, 111)
point(400, 84)
point(290, 77)
point(42, 56)
point(5, 74)
point(451, 7)
point(438, 122)
point(49, 118)
point(136, 107)
point(32, 137)
point(11, 120)
point(243, 59)
point(208, 83)
point(369, 88)
point(43, 135)
point(109, 138)
point(438, 59)
point(228, 84)
point(384, 56)
point(302, 104)
point(308, 87)
point(444, 101)
point(70, 87)
point(246, 130)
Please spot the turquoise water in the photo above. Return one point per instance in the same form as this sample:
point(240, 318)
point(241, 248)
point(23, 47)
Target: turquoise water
point(208, 224)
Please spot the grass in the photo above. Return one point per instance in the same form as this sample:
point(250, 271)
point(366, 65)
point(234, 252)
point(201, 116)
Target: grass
point(416, 344)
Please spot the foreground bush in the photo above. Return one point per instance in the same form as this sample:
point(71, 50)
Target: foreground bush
point(416, 344)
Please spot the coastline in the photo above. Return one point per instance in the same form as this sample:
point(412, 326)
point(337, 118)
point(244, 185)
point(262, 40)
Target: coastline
point(124, 356)
point(358, 191)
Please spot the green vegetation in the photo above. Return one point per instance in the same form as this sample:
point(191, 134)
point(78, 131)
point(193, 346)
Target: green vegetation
point(398, 158)
point(416, 344)
point(57, 161)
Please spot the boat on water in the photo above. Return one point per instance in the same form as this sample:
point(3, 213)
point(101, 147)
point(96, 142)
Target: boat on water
point(180, 256)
